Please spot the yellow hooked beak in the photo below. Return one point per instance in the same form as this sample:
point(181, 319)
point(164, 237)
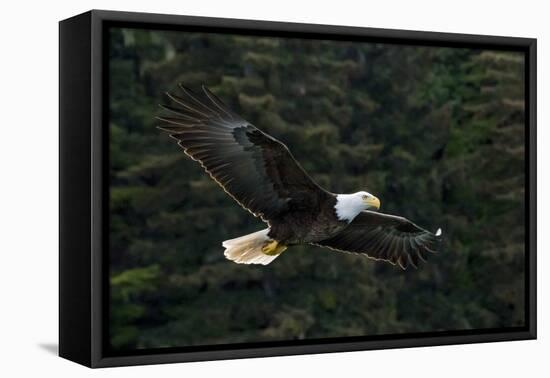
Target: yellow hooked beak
point(372, 202)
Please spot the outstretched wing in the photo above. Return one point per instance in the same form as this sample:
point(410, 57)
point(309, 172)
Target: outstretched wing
point(255, 169)
point(385, 237)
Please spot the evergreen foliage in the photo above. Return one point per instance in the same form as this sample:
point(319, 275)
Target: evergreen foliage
point(436, 133)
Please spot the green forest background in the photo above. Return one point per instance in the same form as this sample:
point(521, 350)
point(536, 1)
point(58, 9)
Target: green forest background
point(436, 133)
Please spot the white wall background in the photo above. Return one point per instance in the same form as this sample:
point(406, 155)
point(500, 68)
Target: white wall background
point(29, 174)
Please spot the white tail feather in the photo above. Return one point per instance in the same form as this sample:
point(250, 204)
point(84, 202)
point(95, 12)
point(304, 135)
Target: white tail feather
point(247, 249)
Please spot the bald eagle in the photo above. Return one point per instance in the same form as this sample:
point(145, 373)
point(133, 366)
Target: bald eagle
point(259, 172)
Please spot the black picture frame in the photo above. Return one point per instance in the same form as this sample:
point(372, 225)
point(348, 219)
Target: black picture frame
point(83, 163)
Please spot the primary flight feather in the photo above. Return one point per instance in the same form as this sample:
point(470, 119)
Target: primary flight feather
point(260, 173)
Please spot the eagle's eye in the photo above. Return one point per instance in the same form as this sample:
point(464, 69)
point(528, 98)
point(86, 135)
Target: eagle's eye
point(365, 197)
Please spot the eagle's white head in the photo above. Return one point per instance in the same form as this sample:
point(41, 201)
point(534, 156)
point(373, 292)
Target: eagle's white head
point(348, 206)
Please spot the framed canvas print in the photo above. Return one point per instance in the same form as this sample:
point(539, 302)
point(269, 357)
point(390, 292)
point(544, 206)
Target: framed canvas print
point(234, 188)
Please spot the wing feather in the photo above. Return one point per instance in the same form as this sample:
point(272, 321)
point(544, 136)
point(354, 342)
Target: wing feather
point(385, 237)
point(255, 169)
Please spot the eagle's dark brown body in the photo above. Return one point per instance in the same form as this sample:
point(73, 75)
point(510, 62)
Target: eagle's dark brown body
point(311, 220)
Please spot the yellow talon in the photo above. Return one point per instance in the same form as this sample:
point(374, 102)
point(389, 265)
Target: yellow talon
point(273, 248)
